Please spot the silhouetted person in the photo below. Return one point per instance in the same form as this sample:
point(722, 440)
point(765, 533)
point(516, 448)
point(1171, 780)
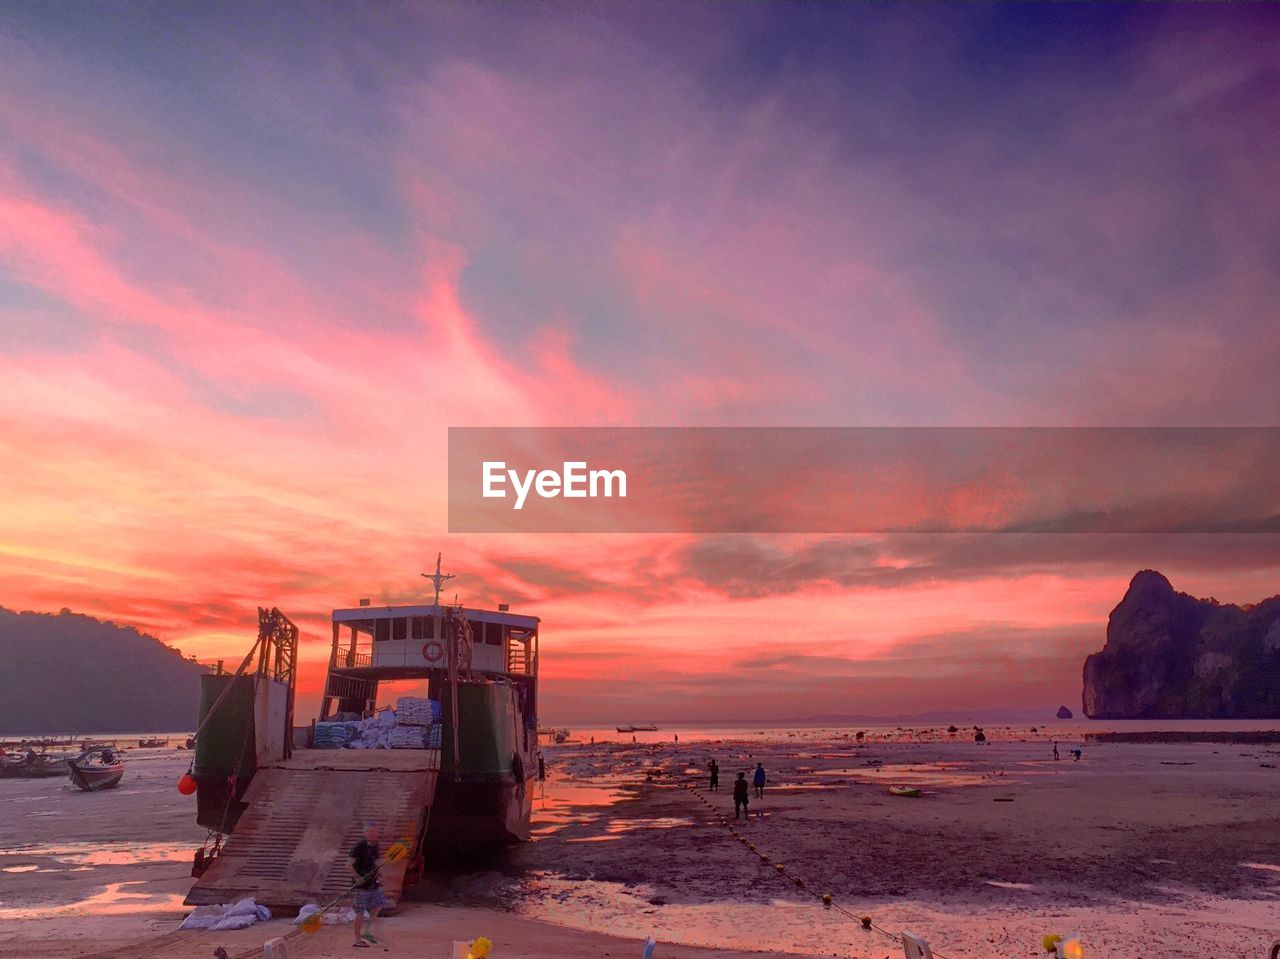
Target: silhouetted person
point(715, 775)
point(757, 780)
point(740, 796)
point(1055, 752)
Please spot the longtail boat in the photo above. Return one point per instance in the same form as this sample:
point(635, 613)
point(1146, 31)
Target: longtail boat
point(97, 769)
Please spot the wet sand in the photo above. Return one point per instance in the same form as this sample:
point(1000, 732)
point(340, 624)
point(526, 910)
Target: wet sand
point(1148, 849)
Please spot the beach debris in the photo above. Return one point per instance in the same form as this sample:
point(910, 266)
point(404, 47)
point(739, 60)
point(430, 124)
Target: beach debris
point(907, 792)
point(478, 948)
point(334, 917)
point(649, 946)
point(913, 947)
point(1069, 947)
point(277, 948)
point(866, 922)
point(1050, 942)
point(826, 898)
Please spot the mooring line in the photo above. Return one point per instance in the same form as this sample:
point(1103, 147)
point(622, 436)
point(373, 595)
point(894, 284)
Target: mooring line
point(781, 869)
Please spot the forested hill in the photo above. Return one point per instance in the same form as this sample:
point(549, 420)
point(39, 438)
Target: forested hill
point(73, 673)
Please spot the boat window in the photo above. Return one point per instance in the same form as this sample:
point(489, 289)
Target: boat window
point(400, 628)
point(419, 628)
point(381, 630)
point(493, 634)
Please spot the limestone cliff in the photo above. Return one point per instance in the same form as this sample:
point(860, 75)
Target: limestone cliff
point(1172, 656)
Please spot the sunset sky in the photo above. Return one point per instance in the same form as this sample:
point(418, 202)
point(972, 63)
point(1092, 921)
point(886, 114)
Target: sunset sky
point(256, 259)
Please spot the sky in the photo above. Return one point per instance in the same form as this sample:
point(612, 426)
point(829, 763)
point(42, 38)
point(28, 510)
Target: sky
point(255, 259)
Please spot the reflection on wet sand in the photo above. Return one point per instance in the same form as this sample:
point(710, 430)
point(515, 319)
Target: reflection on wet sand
point(115, 899)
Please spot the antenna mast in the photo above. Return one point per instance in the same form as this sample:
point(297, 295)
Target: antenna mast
point(438, 579)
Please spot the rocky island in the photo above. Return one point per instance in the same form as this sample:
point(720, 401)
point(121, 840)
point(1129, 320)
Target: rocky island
point(1169, 655)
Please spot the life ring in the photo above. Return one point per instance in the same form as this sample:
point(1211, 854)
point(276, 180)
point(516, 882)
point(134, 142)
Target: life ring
point(433, 652)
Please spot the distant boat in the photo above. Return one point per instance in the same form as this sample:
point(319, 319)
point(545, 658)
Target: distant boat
point(34, 766)
point(625, 729)
point(97, 769)
point(153, 743)
point(636, 729)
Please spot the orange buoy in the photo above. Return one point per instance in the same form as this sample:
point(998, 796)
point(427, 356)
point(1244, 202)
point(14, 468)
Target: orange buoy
point(187, 784)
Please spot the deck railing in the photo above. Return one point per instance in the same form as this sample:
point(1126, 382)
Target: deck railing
point(344, 657)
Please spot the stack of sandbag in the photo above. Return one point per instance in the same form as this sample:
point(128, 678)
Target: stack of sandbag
point(335, 735)
point(405, 737)
point(416, 711)
point(374, 732)
point(433, 736)
point(239, 915)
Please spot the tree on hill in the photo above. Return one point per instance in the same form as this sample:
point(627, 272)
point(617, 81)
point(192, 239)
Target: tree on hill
point(73, 673)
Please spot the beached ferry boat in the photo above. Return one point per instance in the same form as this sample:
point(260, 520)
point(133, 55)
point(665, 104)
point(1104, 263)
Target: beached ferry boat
point(482, 666)
point(290, 811)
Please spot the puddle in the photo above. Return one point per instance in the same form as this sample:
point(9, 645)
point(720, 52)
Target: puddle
point(107, 853)
point(919, 774)
point(664, 822)
point(564, 802)
point(113, 900)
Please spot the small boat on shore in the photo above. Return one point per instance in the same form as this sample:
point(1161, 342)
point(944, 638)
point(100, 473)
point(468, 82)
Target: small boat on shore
point(96, 769)
point(34, 766)
point(153, 743)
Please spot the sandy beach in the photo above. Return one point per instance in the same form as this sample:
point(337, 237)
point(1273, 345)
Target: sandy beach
point(1147, 849)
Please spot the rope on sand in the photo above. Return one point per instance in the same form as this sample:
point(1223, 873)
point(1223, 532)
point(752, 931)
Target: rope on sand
point(825, 898)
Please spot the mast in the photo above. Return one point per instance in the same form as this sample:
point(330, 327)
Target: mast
point(438, 579)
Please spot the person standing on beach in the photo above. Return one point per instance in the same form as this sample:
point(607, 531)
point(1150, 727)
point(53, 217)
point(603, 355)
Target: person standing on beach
point(757, 780)
point(369, 897)
point(715, 775)
point(1055, 751)
point(740, 796)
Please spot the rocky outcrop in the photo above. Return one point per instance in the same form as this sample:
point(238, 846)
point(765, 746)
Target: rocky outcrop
point(1172, 656)
point(1064, 713)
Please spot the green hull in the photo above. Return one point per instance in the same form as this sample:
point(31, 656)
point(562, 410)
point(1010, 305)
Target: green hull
point(483, 796)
